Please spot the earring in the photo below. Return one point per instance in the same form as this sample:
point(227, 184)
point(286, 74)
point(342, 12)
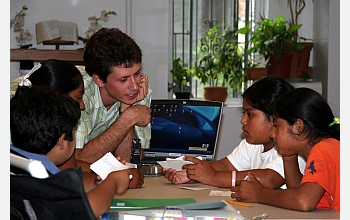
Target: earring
point(298, 130)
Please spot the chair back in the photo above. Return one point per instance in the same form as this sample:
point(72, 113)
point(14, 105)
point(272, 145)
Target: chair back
point(59, 196)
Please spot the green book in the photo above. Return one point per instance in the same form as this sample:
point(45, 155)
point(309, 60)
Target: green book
point(130, 204)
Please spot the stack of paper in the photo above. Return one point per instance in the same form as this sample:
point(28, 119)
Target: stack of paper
point(175, 164)
point(107, 164)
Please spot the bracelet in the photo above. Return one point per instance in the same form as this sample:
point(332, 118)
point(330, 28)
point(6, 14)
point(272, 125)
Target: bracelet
point(233, 179)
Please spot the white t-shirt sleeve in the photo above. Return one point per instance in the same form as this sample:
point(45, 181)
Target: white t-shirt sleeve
point(249, 156)
point(241, 156)
point(277, 164)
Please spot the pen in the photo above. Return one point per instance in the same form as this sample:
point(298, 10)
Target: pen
point(238, 203)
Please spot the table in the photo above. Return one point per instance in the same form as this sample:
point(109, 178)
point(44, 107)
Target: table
point(72, 56)
point(159, 187)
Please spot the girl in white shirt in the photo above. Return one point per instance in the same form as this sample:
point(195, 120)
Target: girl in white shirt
point(255, 153)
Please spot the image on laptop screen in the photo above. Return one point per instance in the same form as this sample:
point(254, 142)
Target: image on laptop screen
point(183, 127)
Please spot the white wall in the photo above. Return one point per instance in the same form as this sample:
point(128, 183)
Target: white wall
point(333, 73)
point(145, 21)
point(64, 10)
point(150, 29)
point(230, 133)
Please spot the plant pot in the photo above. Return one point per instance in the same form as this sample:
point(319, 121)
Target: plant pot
point(182, 95)
point(279, 67)
point(215, 94)
point(300, 61)
point(256, 73)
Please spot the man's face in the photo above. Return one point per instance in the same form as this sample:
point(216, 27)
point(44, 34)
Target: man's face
point(123, 85)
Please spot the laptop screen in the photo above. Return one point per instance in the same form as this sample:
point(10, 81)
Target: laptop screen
point(183, 127)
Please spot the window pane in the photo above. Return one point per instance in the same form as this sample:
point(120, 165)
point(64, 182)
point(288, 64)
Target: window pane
point(191, 18)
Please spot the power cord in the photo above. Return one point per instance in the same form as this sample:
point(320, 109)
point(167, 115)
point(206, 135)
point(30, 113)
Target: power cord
point(176, 208)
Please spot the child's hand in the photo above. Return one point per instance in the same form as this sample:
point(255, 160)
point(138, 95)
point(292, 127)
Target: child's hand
point(176, 177)
point(120, 160)
point(247, 190)
point(137, 179)
point(98, 180)
point(200, 170)
point(119, 179)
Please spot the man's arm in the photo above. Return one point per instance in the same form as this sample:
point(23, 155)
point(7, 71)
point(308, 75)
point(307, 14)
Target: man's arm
point(109, 140)
point(124, 148)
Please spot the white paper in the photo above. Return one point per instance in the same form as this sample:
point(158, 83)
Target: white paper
point(175, 164)
point(107, 164)
point(220, 193)
point(199, 187)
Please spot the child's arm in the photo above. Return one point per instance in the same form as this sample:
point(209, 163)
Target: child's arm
point(72, 162)
point(137, 178)
point(291, 171)
point(101, 197)
point(302, 198)
point(219, 173)
point(204, 172)
point(90, 180)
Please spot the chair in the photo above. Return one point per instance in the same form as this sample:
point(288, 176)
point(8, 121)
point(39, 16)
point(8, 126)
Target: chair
point(36, 197)
point(34, 167)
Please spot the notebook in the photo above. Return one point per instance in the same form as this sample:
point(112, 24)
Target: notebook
point(183, 128)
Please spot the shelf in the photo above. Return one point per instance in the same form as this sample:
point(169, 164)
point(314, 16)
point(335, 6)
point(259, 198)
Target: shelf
point(73, 56)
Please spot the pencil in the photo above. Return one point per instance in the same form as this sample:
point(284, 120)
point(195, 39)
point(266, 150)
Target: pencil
point(238, 203)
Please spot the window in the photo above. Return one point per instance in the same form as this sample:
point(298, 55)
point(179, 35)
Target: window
point(192, 17)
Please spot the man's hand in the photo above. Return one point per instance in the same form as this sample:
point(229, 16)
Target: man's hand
point(140, 114)
point(143, 87)
point(176, 177)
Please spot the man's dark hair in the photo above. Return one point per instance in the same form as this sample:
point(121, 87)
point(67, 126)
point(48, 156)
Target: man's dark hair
point(107, 48)
point(39, 116)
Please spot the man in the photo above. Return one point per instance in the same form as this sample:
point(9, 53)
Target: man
point(117, 98)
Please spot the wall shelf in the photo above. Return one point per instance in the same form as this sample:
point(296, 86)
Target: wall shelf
point(72, 56)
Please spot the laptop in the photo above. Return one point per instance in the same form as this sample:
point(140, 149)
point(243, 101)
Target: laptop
point(183, 128)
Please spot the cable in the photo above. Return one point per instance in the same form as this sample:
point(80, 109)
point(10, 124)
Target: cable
point(177, 208)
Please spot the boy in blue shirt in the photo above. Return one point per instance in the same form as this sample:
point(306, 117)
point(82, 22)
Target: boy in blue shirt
point(42, 123)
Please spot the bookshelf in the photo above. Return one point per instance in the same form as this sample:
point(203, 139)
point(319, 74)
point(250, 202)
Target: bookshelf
point(72, 56)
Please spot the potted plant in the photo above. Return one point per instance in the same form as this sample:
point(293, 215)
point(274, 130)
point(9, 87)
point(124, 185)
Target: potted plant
point(17, 24)
point(220, 63)
point(181, 79)
point(274, 40)
point(300, 59)
point(95, 26)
